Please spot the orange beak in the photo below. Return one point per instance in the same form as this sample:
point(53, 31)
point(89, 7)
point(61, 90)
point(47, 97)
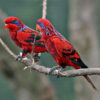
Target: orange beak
point(37, 27)
point(6, 26)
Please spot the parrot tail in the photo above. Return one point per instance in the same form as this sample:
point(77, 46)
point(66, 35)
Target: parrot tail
point(88, 79)
point(85, 76)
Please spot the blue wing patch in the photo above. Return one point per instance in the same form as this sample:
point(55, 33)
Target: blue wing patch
point(48, 33)
point(41, 25)
point(22, 28)
point(58, 34)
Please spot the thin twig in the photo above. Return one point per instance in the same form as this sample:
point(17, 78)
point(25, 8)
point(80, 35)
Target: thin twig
point(44, 10)
point(7, 49)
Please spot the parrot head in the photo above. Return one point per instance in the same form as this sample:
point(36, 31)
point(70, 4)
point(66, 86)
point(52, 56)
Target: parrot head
point(45, 27)
point(42, 24)
point(13, 23)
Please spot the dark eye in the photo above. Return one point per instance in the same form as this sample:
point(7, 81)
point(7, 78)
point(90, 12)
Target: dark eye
point(7, 22)
point(15, 22)
point(41, 25)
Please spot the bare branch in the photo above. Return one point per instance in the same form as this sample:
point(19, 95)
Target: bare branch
point(7, 49)
point(80, 72)
point(44, 11)
point(70, 73)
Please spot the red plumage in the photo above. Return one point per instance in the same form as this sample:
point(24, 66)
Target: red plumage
point(24, 36)
point(61, 50)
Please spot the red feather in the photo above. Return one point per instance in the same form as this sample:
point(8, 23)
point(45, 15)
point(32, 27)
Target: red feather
point(61, 50)
point(23, 36)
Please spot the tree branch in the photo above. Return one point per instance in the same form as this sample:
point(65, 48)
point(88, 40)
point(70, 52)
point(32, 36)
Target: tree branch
point(7, 49)
point(44, 10)
point(70, 73)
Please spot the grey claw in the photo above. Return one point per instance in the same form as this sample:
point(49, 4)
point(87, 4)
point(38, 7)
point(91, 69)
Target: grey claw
point(36, 58)
point(61, 70)
point(18, 58)
point(53, 69)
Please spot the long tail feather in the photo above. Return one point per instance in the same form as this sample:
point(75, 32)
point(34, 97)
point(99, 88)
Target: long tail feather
point(88, 79)
point(85, 76)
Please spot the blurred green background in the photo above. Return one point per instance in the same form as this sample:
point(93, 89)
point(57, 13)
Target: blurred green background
point(59, 12)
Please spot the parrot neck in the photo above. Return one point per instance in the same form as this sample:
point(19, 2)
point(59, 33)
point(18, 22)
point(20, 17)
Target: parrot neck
point(22, 28)
point(13, 28)
point(47, 34)
point(13, 34)
point(13, 31)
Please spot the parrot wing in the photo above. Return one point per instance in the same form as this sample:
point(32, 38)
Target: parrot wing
point(17, 42)
point(26, 36)
point(70, 52)
point(65, 49)
point(39, 45)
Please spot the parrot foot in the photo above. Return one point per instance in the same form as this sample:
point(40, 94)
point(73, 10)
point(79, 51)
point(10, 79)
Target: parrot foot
point(36, 57)
point(19, 58)
point(53, 69)
point(60, 70)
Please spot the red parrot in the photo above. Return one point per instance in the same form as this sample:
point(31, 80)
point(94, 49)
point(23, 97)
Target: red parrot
point(61, 50)
point(26, 38)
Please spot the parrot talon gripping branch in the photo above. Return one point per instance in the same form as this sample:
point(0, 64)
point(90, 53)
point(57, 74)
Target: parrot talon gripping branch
point(19, 58)
point(52, 42)
point(53, 69)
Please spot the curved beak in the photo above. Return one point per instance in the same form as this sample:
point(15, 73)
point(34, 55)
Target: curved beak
point(37, 27)
point(6, 26)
